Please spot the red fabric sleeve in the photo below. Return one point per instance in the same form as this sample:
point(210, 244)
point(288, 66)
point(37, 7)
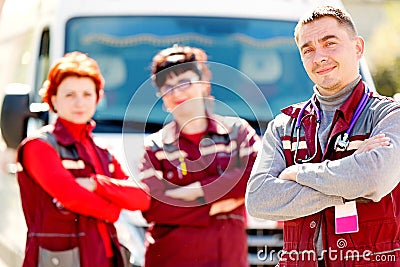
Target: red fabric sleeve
point(125, 193)
point(171, 211)
point(60, 183)
point(232, 182)
point(166, 210)
point(118, 173)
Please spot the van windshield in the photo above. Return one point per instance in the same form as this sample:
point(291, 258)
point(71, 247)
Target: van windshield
point(255, 64)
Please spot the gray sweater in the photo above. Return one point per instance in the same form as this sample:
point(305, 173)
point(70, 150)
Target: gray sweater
point(371, 175)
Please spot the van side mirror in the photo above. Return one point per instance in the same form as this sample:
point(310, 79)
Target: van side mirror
point(15, 113)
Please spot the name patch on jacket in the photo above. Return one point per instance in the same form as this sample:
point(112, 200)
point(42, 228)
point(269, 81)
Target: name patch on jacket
point(73, 164)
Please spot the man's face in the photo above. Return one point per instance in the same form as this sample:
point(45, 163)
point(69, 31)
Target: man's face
point(330, 54)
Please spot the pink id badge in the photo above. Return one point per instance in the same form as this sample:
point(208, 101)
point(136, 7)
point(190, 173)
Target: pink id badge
point(346, 218)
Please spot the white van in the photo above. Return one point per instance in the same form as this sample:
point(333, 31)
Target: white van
point(252, 38)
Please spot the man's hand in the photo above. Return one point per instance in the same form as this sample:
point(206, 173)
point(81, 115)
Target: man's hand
point(188, 193)
point(289, 173)
point(376, 141)
point(373, 142)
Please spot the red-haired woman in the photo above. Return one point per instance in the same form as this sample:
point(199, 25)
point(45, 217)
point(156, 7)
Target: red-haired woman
point(67, 224)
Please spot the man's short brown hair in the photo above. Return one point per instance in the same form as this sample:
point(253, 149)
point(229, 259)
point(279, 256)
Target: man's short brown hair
point(341, 16)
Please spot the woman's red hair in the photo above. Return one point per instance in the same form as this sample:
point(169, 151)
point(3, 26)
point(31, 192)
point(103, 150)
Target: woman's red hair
point(71, 64)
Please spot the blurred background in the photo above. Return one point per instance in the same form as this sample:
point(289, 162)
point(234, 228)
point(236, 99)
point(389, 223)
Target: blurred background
point(377, 21)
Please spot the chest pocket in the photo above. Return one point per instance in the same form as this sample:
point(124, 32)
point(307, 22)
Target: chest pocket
point(354, 143)
point(69, 157)
point(217, 154)
point(221, 153)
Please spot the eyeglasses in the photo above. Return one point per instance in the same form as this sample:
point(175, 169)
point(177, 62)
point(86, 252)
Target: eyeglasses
point(181, 86)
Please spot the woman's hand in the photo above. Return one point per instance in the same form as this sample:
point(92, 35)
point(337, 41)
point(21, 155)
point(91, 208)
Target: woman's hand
point(87, 183)
point(225, 205)
point(188, 193)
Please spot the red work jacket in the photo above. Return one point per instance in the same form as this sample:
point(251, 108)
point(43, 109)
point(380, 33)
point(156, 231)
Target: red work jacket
point(69, 217)
point(186, 233)
point(379, 222)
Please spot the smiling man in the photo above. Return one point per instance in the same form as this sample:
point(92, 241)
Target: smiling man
point(329, 167)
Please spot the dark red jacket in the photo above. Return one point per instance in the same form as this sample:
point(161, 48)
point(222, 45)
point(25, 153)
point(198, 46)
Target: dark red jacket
point(379, 222)
point(60, 214)
point(183, 232)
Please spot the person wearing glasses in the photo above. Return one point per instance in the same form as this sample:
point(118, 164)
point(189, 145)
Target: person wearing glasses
point(67, 224)
point(196, 168)
point(329, 167)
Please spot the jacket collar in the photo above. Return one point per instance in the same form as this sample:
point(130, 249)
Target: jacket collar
point(170, 132)
point(345, 111)
point(63, 131)
point(348, 108)
point(294, 110)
